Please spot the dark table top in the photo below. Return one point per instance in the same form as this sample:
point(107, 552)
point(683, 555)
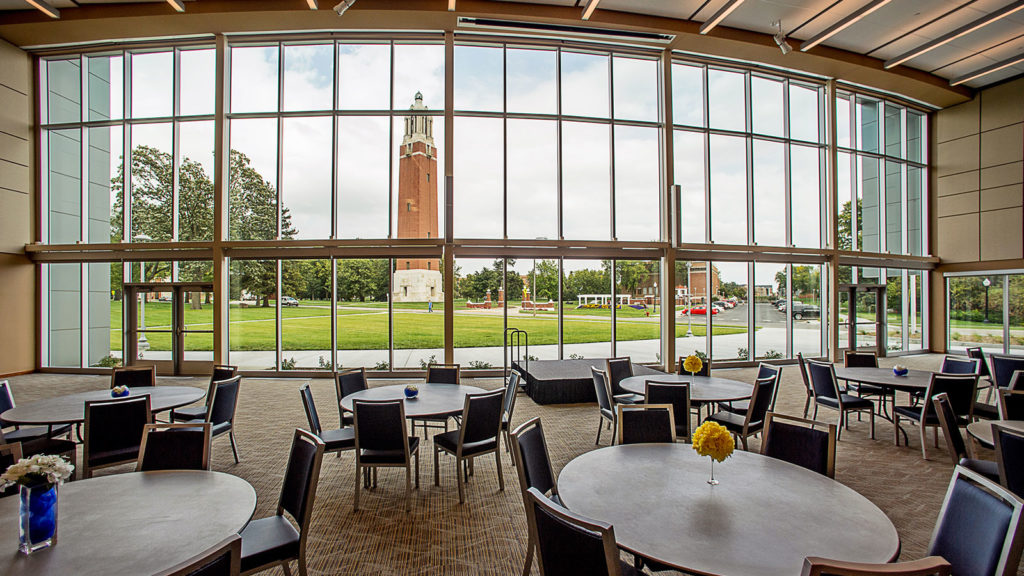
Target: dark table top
point(70, 409)
point(763, 519)
point(914, 380)
point(703, 388)
point(134, 523)
point(433, 399)
point(982, 430)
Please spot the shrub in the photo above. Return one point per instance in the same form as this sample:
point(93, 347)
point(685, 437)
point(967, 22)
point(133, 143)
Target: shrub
point(772, 355)
point(382, 365)
point(480, 365)
point(428, 361)
point(108, 361)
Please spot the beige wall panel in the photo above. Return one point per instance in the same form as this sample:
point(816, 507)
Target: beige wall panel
point(18, 294)
point(1002, 146)
point(959, 183)
point(1002, 197)
point(958, 121)
point(958, 238)
point(14, 149)
point(1002, 234)
point(1004, 175)
point(958, 204)
point(1002, 105)
point(15, 113)
point(956, 156)
point(16, 70)
point(14, 176)
point(15, 229)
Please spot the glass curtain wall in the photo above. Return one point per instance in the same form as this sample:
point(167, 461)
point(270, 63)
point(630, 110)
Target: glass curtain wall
point(986, 311)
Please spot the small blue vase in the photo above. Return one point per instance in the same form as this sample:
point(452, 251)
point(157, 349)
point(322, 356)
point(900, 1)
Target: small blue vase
point(126, 392)
point(38, 517)
point(411, 393)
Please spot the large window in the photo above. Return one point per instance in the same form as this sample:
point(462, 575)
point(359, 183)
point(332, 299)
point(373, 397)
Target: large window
point(986, 311)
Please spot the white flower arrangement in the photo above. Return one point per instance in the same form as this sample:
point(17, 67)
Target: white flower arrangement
point(36, 470)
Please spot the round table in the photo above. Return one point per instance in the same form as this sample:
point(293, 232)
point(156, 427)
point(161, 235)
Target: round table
point(982, 430)
point(703, 388)
point(134, 523)
point(70, 409)
point(433, 399)
point(764, 518)
point(914, 381)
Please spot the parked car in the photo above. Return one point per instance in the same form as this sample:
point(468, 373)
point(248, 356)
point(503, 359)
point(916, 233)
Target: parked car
point(289, 301)
point(801, 311)
point(699, 310)
point(718, 306)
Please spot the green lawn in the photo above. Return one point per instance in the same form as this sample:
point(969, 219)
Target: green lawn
point(309, 328)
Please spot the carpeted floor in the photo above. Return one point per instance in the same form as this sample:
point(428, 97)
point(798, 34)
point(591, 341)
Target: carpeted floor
point(487, 535)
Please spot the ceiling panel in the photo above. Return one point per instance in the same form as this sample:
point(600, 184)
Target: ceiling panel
point(22, 5)
point(758, 15)
point(681, 9)
point(889, 22)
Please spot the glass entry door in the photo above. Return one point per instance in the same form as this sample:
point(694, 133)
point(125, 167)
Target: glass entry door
point(863, 318)
point(177, 334)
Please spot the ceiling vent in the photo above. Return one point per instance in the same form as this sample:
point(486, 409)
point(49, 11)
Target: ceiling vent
point(565, 30)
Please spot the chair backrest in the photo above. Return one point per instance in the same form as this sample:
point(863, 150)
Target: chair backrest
point(823, 379)
point(1009, 446)
point(380, 425)
point(601, 389)
point(9, 454)
point(532, 460)
point(443, 374)
point(855, 359)
point(961, 390)
point(646, 423)
point(795, 440)
point(803, 372)
point(224, 559)
point(979, 355)
point(1003, 367)
point(310, 407)
point(569, 544)
point(349, 382)
point(1011, 402)
point(979, 527)
point(508, 405)
point(223, 372)
point(950, 427)
point(481, 416)
point(769, 371)
point(675, 394)
point(115, 425)
point(225, 401)
point(298, 491)
point(133, 376)
point(705, 367)
point(955, 365)
point(618, 369)
point(761, 399)
point(930, 566)
point(6, 397)
point(178, 446)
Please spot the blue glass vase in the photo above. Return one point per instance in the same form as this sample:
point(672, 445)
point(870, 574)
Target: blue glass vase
point(38, 517)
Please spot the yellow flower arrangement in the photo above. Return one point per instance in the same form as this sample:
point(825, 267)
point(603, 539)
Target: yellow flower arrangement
point(714, 440)
point(692, 364)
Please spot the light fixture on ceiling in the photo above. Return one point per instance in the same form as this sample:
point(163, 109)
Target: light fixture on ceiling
point(588, 10)
point(780, 38)
point(959, 32)
point(313, 4)
point(1018, 59)
point(178, 5)
point(451, 5)
point(342, 6)
point(45, 8)
point(722, 13)
point(843, 24)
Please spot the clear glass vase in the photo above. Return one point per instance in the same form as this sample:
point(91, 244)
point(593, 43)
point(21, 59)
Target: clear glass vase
point(712, 480)
point(37, 517)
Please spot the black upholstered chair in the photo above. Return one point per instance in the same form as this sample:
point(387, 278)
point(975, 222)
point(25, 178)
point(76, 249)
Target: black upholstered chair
point(338, 440)
point(66, 449)
point(534, 468)
point(802, 364)
point(828, 394)
point(133, 376)
point(176, 446)
point(705, 367)
point(646, 423)
point(188, 413)
point(508, 407)
point(604, 403)
point(1009, 446)
point(224, 559)
point(479, 435)
point(1005, 377)
point(930, 566)
point(444, 374)
point(274, 541)
point(10, 454)
point(678, 396)
point(569, 544)
point(113, 432)
point(345, 383)
point(855, 359)
point(763, 371)
point(618, 369)
point(959, 388)
point(795, 440)
point(1011, 402)
point(222, 410)
point(746, 425)
point(23, 434)
point(959, 451)
point(957, 365)
point(382, 442)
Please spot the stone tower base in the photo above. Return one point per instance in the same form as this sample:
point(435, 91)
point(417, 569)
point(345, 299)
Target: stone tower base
point(417, 286)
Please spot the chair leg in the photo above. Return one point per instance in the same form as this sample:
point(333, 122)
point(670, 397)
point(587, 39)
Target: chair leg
point(815, 417)
point(600, 426)
point(923, 430)
point(286, 566)
point(839, 428)
point(743, 440)
point(359, 486)
point(417, 469)
point(896, 428)
point(234, 449)
point(807, 406)
point(408, 487)
point(497, 460)
point(458, 467)
point(529, 558)
point(437, 474)
point(872, 423)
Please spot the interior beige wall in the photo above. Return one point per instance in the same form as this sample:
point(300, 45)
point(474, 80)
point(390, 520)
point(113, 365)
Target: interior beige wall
point(17, 213)
point(977, 197)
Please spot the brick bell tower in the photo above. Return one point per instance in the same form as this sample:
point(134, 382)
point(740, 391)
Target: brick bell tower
point(417, 280)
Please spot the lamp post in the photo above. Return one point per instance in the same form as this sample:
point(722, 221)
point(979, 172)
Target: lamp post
point(143, 342)
point(689, 302)
point(655, 297)
point(986, 283)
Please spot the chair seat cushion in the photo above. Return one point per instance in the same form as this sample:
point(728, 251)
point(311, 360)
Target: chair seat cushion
point(50, 446)
point(268, 540)
point(449, 441)
point(628, 399)
point(607, 414)
point(188, 413)
point(217, 429)
point(338, 439)
point(739, 407)
point(981, 410)
point(986, 468)
point(347, 419)
point(26, 434)
point(914, 413)
point(369, 456)
point(126, 454)
point(734, 422)
point(868, 389)
point(849, 402)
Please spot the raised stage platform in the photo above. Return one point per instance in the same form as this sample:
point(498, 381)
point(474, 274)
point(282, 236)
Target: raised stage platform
point(566, 381)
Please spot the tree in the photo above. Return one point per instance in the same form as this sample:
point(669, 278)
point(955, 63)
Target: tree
point(806, 282)
point(546, 280)
point(362, 278)
point(585, 282)
point(732, 290)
